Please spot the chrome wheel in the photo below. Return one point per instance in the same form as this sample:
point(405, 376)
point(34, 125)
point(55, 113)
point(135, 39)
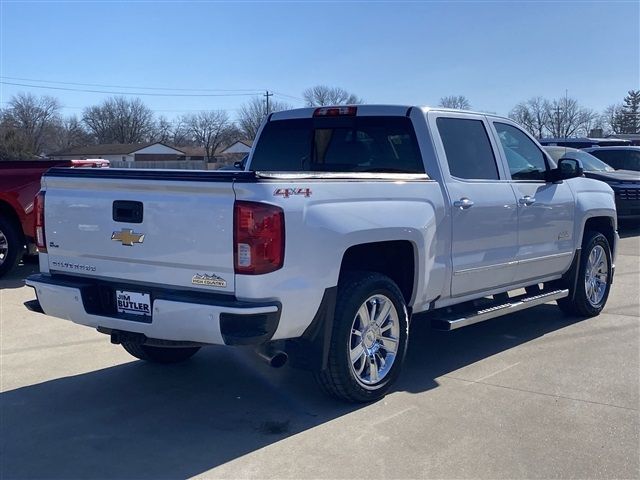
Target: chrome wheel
point(374, 340)
point(4, 247)
point(596, 275)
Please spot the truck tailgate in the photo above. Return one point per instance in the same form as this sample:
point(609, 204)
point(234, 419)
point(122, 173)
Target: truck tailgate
point(182, 235)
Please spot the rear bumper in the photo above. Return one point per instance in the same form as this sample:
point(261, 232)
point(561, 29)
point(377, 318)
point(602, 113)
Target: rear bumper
point(178, 316)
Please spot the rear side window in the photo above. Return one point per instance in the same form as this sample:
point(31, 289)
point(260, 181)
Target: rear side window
point(340, 144)
point(468, 149)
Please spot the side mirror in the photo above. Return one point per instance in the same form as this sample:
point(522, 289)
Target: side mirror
point(567, 168)
point(241, 164)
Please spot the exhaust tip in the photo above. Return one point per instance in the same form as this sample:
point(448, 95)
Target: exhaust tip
point(278, 360)
point(272, 356)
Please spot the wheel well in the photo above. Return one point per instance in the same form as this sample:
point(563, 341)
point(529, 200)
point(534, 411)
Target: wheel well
point(395, 259)
point(7, 211)
point(604, 225)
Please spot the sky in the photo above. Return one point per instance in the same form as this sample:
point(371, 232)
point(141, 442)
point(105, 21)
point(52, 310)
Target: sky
point(495, 53)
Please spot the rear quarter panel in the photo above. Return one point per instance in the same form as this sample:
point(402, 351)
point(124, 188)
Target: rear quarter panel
point(337, 215)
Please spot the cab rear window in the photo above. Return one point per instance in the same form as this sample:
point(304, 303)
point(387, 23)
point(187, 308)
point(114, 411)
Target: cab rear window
point(342, 144)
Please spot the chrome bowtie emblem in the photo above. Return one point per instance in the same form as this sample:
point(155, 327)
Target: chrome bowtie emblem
point(128, 237)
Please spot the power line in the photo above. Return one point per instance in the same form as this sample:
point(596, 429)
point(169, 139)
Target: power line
point(147, 94)
point(288, 96)
point(138, 87)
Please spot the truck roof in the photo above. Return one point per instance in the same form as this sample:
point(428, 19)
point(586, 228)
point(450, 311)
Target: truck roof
point(370, 110)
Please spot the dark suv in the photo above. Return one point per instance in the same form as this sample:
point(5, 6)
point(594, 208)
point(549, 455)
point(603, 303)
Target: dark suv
point(625, 183)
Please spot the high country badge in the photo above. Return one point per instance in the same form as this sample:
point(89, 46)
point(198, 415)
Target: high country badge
point(208, 280)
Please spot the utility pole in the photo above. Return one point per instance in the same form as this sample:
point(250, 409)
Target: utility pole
point(267, 95)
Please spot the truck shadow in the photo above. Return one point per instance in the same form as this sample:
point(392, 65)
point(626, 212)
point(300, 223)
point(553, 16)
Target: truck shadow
point(629, 229)
point(137, 420)
point(15, 278)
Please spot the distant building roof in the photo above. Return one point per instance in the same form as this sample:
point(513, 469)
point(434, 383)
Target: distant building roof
point(109, 149)
point(243, 143)
point(194, 151)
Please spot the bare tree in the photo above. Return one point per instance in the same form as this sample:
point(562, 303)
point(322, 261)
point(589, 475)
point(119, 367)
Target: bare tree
point(119, 120)
point(532, 115)
point(589, 121)
point(70, 132)
point(12, 145)
point(175, 132)
point(613, 119)
point(321, 95)
point(253, 113)
point(208, 129)
point(565, 117)
point(32, 119)
point(180, 134)
point(163, 130)
point(459, 102)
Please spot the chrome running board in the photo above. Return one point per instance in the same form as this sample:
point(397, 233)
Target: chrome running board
point(514, 305)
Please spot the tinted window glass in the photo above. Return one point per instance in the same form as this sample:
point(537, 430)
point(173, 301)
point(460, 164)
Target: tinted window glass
point(633, 162)
point(340, 144)
point(468, 149)
point(526, 161)
point(615, 158)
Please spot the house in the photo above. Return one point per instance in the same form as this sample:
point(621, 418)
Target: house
point(121, 152)
point(239, 146)
point(193, 153)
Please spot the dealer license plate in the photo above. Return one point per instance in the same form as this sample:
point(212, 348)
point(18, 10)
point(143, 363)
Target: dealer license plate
point(133, 302)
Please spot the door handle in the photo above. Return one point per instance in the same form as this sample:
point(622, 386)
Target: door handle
point(463, 203)
point(527, 200)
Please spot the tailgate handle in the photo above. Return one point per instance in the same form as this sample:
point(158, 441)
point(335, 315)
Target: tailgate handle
point(127, 211)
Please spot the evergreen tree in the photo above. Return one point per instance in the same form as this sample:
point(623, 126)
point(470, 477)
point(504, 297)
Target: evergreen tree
point(629, 116)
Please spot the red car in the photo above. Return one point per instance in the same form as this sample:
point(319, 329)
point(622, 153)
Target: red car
point(19, 184)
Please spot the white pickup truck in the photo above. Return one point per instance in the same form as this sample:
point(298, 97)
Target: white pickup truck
point(344, 223)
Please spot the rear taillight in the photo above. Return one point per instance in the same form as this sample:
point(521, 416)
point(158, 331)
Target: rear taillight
point(335, 111)
point(38, 209)
point(258, 231)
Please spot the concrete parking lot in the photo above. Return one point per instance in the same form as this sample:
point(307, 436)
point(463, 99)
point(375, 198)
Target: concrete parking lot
point(533, 395)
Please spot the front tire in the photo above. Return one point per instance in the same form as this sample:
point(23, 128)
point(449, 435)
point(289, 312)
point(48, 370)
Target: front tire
point(152, 354)
point(11, 245)
point(369, 338)
point(594, 278)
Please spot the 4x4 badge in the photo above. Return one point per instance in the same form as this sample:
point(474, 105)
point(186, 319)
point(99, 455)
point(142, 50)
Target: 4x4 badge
point(289, 192)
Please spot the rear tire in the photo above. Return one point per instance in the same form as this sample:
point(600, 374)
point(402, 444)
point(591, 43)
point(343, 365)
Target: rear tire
point(594, 278)
point(11, 245)
point(371, 326)
point(152, 354)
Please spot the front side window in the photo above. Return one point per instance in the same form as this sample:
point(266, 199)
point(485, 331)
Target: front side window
point(526, 161)
point(468, 149)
